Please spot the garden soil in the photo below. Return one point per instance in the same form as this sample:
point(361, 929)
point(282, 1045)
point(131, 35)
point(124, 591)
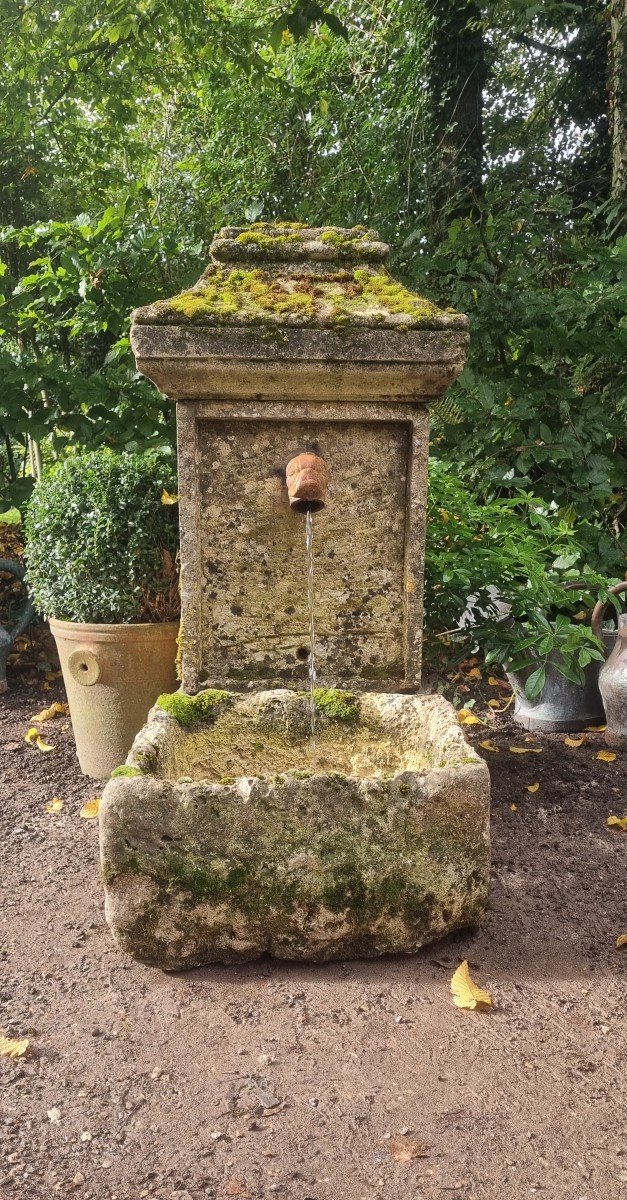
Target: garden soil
point(348, 1081)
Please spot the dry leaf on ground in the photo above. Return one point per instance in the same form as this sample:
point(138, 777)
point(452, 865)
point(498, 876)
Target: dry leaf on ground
point(617, 823)
point(595, 728)
point(55, 805)
point(43, 746)
point(13, 1047)
point(466, 717)
point(475, 673)
point(169, 497)
point(574, 741)
point(490, 746)
point(606, 755)
point(55, 710)
point(404, 1149)
point(526, 749)
point(513, 807)
point(34, 739)
point(90, 809)
point(621, 941)
point(532, 787)
point(466, 994)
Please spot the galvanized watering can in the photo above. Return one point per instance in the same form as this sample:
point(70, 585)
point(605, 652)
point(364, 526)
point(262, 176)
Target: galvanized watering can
point(613, 675)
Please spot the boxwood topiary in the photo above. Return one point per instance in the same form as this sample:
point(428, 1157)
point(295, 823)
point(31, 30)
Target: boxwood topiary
point(100, 543)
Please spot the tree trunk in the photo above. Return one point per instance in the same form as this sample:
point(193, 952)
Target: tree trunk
point(456, 77)
point(618, 106)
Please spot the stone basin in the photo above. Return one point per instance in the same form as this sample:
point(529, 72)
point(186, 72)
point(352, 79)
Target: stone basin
point(228, 834)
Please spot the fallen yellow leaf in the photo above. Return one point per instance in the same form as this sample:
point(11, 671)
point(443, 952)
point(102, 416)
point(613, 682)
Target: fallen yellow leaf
point(596, 728)
point(606, 755)
point(169, 497)
point(31, 736)
point(43, 746)
point(490, 746)
point(494, 704)
point(621, 941)
point(466, 717)
point(56, 710)
point(513, 808)
point(525, 749)
point(617, 823)
point(466, 994)
point(475, 673)
point(532, 787)
point(405, 1149)
point(493, 681)
point(55, 805)
point(578, 741)
point(13, 1047)
point(90, 809)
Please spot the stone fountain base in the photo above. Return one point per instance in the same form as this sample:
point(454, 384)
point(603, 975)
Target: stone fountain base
point(227, 836)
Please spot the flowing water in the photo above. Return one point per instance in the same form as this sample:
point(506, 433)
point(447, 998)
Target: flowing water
point(312, 631)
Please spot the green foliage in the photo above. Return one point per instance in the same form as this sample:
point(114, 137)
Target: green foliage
point(508, 575)
point(189, 710)
point(127, 139)
point(100, 545)
point(542, 404)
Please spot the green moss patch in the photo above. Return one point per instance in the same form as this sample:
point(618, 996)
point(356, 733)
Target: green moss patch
point(340, 706)
point(231, 295)
point(189, 710)
point(125, 772)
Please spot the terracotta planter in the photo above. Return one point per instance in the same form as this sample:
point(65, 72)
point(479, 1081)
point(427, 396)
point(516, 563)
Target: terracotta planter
point(113, 675)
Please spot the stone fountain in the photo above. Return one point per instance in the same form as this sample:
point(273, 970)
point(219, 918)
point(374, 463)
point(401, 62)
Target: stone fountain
point(303, 374)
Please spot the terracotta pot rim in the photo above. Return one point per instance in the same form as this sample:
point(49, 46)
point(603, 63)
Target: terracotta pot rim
point(140, 631)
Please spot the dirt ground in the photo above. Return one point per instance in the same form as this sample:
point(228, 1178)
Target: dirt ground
point(141, 1084)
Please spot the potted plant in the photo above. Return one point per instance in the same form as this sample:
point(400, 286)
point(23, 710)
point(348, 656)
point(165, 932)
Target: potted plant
point(101, 552)
point(506, 576)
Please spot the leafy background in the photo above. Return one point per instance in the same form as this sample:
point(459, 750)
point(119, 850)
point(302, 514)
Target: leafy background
point(484, 141)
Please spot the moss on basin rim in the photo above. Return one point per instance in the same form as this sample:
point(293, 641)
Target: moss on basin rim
point(305, 867)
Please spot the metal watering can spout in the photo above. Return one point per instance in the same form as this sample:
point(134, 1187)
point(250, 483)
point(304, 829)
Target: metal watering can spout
point(613, 674)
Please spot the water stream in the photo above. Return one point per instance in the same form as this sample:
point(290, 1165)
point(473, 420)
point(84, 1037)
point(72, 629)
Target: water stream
point(312, 631)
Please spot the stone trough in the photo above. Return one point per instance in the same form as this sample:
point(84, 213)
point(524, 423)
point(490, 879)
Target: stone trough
point(227, 835)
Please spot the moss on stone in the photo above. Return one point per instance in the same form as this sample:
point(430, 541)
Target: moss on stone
point(341, 706)
point(189, 710)
point(340, 300)
point(394, 297)
point(126, 772)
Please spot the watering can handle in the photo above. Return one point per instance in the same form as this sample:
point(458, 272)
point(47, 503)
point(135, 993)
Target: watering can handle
point(596, 620)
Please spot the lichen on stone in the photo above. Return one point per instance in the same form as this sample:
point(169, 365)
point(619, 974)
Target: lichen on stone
point(190, 710)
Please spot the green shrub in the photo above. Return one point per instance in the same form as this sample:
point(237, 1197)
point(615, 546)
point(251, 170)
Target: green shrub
point(100, 544)
point(517, 552)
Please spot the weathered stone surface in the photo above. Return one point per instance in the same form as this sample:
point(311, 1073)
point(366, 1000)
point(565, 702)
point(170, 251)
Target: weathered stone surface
point(243, 579)
point(309, 346)
point(379, 857)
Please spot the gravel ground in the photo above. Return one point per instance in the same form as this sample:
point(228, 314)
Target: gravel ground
point(340, 1082)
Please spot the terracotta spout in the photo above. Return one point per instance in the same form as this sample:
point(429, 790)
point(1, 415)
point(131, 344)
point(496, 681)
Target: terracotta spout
point(307, 477)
